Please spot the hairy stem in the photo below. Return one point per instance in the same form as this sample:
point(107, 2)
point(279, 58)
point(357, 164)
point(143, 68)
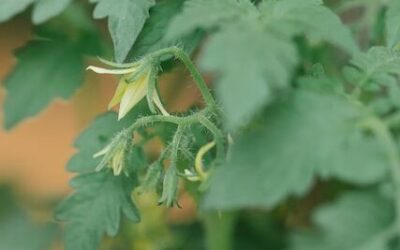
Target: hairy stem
point(175, 144)
point(219, 229)
point(185, 59)
point(217, 134)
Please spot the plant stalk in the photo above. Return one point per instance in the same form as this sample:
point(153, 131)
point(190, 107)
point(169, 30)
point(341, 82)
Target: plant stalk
point(219, 229)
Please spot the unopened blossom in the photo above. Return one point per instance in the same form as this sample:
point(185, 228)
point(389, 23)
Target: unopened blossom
point(114, 154)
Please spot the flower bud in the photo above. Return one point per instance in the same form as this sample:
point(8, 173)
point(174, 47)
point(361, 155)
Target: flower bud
point(115, 154)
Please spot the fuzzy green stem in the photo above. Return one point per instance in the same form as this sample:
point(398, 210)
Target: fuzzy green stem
point(219, 229)
point(185, 59)
point(217, 134)
point(199, 117)
point(148, 120)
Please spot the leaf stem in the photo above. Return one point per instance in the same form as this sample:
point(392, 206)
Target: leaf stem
point(219, 229)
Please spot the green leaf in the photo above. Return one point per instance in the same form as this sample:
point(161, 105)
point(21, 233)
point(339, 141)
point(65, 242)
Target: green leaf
point(269, 62)
point(393, 24)
point(356, 221)
point(306, 136)
point(260, 38)
point(125, 21)
point(100, 196)
point(374, 69)
point(43, 10)
point(45, 70)
point(95, 208)
point(46, 9)
point(152, 36)
point(10, 8)
point(207, 14)
point(310, 17)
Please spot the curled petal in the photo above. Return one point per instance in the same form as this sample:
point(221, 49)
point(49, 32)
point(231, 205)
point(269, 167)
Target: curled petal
point(100, 70)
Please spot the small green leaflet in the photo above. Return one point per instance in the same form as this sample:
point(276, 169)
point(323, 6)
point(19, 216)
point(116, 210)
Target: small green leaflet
point(356, 221)
point(95, 208)
point(46, 9)
point(308, 17)
point(45, 70)
point(374, 69)
point(268, 28)
point(393, 24)
point(125, 21)
point(10, 8)
point(281, 156)
point(151, 38)
point(43, 10)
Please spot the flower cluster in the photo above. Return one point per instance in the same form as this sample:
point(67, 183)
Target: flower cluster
point(133, 85)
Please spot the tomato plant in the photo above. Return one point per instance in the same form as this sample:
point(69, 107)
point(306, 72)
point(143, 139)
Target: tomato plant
point(299, 119)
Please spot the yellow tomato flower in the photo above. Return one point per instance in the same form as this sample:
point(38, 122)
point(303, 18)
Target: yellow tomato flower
point(132, 88)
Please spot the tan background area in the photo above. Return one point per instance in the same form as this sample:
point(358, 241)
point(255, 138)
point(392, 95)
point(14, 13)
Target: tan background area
point(33, 154)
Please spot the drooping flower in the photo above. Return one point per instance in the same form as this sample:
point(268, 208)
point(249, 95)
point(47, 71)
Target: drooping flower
point(132, 87)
